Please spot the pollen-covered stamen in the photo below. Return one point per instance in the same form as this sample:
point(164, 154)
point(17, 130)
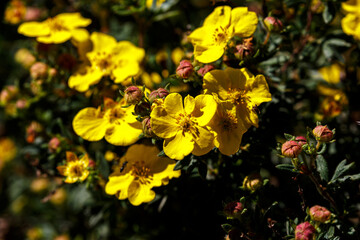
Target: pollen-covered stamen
point(56, 24)
point(103, 61)
point(220, 35)
point(115, 115)
point(238, 96)
point(141, 172)
point(229, 121)
point(187, 123)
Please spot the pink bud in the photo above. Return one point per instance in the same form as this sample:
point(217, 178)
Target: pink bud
point(319, 214)
point(92, 163)
point(323, 133)
point(305, 231)
point(291, 149)
point(207, 68)
point(301, 140)
point(185, 69)
point(159, 93)
point(32, 13)
point(233, 209)
point(21, 103)
point(53, 145)
point(146, 126)
point(39, 70)
point(133, 95)
point(273, 24)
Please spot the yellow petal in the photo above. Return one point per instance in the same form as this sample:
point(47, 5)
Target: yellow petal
point(70, 156)
point(217, 81)
point(220, 16)
point(173, 104)
point(102, 42)
point(238, 77)
point(88, 125)
point(204, 143)
point(203, 36)
point(205, 109)
point(208, 54)
point(73, 20)
point(123, 134)
point(125, 70)
point(162, 124)
point(55, 37)
point(81, 82)
point(79, 34)
point(127, 50)
point(189, 104)
point(179, 146)
point(119, 185)
point(258, 90)
point(34, 29)
point(243, 21)
point(140, 193)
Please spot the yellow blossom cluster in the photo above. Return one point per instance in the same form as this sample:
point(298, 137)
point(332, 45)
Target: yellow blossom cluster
point(351, 22)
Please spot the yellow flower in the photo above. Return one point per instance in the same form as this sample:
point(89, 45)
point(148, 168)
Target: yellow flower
point(154, 3)
point(75, 169)
point(219, 27)
point(143, 171)
point(241, 88)
point(58, 29)
point(351, 22)
point(228, 129)
point(7, 151)
point(117, 124)
point(118, 60)
point(333, 104)
point(332, 73)
point(15, 12)
point(184, 126)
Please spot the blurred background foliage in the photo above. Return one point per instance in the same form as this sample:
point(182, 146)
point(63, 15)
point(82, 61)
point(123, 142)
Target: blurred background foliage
point(312, 69)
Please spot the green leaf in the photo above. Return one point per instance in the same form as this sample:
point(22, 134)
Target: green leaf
point(161, 154)
point(341, 169)
point(329, 12)
point(289, 137)
point(227, 227)
point(322, 168)
point(354, 177)
point(287, 167)
point(330, 232)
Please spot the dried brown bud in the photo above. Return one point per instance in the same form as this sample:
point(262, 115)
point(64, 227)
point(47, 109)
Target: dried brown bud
point(245, 49)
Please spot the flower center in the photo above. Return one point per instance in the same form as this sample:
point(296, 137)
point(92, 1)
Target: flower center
point(141, 172)
point(187, 123)
point(103, 61)
point(55, 25)
point(220, 36)
point(237, 96)
point(229, 121)
point(115, 115)
point(76, 170)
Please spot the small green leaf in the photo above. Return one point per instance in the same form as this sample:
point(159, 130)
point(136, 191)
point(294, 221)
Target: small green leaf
point(341, 169)
point(330, 232)
point(329, 12)
point(227, 227)
point(354, 177)
point(289, 137)
point(161, 154)
point(322, 168)
point(287, 167)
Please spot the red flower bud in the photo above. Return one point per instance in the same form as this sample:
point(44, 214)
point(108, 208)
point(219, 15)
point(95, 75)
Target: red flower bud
point(159, 93)
point(323, 133)
point(273, 24)
point(53, 145)
point(291, 149)
point(233, 209)
point(133, 95)
point(305, 231)
point(319, 214)
point(39, 70)
point(185, 69)
point(301, 140)
point(207, 68)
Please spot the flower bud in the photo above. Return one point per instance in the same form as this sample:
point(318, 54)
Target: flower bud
point(39, 70)
point(52, 72)
point(233, 209)
point(32, 14)
point(24, 57)
point(273, 24)
point(159, 93)
point(21, 103)
point(8, 93)
point(291, 149)
point(323, 133)
point(305, 231)
point(301, 140)
point(146, 127)
point(207, 68)
point(319, 214)
point(253, 182)
point(245, 49)
point(133, 95)
point(92, 163)
point(53, 144)
point(185, 69)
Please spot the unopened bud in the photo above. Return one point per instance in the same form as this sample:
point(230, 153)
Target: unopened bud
point(301, 140)
point(159, 93)
point(39, 70)
point(54, 144)
point(245, 49)
point(8, 93)
point(253, 182)
point(133, 95)
point(32, 13)
point(233, 209)
point(146, 127)
point(319, 214)
point(52, 72)
point(323, 133)
point(291, 149)
point(305, 231)
point(273, 24)
point(185, 69)
point(92, 163)
point(207, 68)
